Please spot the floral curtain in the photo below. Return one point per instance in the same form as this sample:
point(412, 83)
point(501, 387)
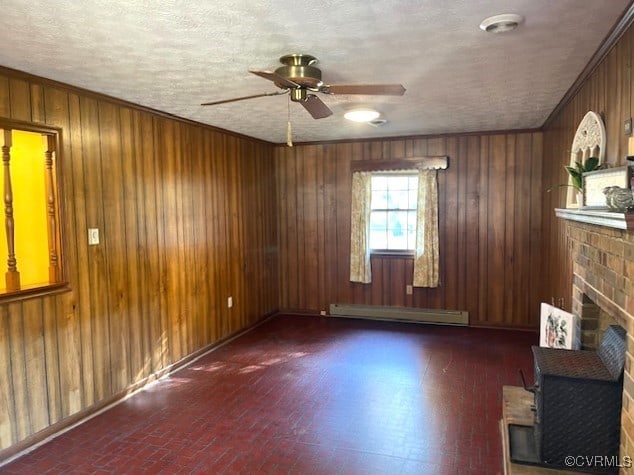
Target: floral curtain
point(360, 228)
point(426, 256)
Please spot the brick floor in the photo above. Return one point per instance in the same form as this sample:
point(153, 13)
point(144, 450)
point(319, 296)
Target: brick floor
point(308, 395)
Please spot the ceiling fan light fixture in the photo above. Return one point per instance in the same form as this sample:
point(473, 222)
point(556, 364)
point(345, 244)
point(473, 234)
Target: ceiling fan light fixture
point(362, 115)
point(501, 23)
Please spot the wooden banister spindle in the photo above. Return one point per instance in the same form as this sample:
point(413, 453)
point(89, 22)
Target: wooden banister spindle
point(53, 262)
point(12, 275)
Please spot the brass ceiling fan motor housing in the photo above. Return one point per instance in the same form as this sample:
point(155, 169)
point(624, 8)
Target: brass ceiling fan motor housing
point(299, 69)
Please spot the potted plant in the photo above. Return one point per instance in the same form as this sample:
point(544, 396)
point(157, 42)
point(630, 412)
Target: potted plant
point(576, 174)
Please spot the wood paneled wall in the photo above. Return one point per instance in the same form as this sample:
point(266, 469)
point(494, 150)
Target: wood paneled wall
point(608, 91)
point(490, 201)
point(187, 218)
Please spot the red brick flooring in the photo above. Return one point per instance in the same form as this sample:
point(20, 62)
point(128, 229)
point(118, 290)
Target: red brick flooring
point(311, 395)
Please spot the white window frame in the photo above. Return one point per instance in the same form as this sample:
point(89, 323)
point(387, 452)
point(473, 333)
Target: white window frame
point(390, 251)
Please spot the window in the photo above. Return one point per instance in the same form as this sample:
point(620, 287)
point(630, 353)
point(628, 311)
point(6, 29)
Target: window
point(393, 211)
point(30, 250)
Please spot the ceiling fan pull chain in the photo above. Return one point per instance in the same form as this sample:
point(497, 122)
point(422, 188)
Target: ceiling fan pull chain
point(289, 129)
point(289, 135)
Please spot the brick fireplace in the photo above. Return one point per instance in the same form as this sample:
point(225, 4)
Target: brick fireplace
point(603, 294)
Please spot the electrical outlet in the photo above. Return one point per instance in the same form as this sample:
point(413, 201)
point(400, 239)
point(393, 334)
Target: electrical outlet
point(322, 313)
point(229, 302)
point(93, 236)
point(409, 289)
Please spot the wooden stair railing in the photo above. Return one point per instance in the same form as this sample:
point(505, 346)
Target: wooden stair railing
point(12, 275)
point(53, 265)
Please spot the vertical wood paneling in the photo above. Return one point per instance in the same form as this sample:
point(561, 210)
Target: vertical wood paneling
point(57, 111)
point(448, 186)
point(5, 101)
point(343, 187)
point(309, 237)
point(34, 356)
point(607, 91)
point(20, 99)
point(483, 228)
point(97, 271)
point(211, 235)
point(129, 143)
point(174, 203)
point(485, 207)
point(497, 215)
point(73, 163)
point(471, 264)
point(113, 240)
point(7, 408)
point(18, 371)
point(151, 282)
point(536, 253)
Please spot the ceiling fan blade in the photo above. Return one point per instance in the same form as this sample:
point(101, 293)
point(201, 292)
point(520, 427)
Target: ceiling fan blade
point(368, 89)
point(276, 78)
point(224, 101)
point(315, 107)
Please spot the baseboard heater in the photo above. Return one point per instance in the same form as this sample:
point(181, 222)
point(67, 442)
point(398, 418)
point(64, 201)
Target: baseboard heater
point(404, 314)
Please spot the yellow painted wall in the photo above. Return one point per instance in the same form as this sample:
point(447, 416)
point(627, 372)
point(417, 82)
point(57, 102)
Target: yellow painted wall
point(29, 211)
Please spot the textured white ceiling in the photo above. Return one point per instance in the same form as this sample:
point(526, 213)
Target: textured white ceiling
point(171, 55)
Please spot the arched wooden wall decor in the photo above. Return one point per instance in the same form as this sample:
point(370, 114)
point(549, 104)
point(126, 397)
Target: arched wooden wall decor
point(589, 141)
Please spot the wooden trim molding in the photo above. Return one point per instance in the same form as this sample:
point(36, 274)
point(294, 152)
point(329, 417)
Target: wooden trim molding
point(414, 163)
point(397, 138)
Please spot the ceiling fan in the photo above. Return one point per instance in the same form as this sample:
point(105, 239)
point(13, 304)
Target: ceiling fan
point(299, 77)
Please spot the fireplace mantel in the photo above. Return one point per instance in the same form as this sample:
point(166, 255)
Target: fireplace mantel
point(607, 218)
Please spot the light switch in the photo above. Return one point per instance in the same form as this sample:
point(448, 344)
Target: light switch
point(93, 236)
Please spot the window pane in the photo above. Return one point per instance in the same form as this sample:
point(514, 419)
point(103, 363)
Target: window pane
point(378, 230)
point(397, 230)
point(397, 183)
point(379, 182)
point(378, 220)
point(411, 230)
point(378, 239)
point(400, 199)
point(379, 199)
point(413, 198)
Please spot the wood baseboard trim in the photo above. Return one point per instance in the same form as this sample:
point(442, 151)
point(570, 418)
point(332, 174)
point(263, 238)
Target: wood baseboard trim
point(503, 326)
point(55, 430)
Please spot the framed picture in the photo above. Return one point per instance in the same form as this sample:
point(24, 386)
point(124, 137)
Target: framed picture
point(558, 328)
point(594, 182)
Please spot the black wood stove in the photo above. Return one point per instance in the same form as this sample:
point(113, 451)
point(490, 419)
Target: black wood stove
point(578, 397)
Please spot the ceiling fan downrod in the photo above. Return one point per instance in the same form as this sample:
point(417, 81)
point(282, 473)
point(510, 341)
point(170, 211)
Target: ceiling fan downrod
point(298, 94)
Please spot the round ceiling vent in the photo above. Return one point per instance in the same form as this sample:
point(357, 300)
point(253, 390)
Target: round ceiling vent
point(377, 122)
point(501, 23)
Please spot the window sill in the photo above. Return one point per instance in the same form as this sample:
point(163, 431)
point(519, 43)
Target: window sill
point(42, 291)
point(392, 254)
